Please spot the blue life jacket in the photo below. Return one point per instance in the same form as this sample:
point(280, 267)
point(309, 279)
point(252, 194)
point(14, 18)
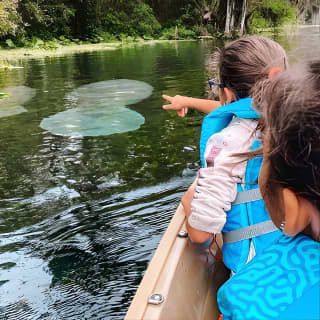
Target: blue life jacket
point(281, 283)
point(220, 118)
point(248, 213)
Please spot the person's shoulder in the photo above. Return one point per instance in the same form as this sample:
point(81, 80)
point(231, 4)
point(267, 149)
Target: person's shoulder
point(250, 124)
point(288, 253)
point(305, 306)
point(290, 264)
point(240, 126)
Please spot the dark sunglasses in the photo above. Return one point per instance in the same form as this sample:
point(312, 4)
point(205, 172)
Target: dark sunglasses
point(215, 82)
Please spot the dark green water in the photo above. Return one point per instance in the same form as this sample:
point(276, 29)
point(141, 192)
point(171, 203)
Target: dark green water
point(81, 217)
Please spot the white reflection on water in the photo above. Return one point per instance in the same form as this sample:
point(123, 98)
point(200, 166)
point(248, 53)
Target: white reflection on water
point(53, 194)
point(18, 96)
point(100, 109)
point(23, 278)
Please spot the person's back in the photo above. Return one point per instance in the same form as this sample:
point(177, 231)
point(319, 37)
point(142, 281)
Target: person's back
point(283, 281)
point(247, 213)
point(230, 130)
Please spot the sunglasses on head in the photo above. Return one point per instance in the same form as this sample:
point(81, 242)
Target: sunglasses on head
point(215, 82)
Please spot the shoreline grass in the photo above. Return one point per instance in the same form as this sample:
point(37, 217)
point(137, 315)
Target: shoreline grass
point(16, 54)
point(8, 56)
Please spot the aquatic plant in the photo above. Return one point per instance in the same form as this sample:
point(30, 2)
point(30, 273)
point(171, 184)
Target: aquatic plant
point(16, 97)
point(100, 109)
point(3, 95)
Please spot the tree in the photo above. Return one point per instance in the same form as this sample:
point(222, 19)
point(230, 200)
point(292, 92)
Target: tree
point(235, 16)
point(207, 10)
point(167, 11)
point(46, 18)
point(9, 18)
point(26, 20)
point(277, 12)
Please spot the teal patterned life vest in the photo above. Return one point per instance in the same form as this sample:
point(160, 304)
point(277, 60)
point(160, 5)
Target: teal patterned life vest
point(282, 282)
point(240, 216)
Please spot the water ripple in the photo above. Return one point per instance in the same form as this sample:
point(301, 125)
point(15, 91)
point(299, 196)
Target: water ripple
point(78, 263)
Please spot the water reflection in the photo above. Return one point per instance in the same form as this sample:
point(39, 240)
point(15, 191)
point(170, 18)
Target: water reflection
point(85, 255)
point(17, 97)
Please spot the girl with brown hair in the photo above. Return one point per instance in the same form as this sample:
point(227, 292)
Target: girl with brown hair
point(283, 281)
point(231, 128)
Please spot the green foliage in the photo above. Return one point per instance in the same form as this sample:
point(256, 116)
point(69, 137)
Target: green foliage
point(36, 43)
point(188, 17)
point(10, 44)
point(117, 22)
point(104, 36)
point(22, 41)
point(34, 14)
point(137, 20)
point(272, 13)
point(45, 19)
point(9, 17)
point(182, 33)
point(192, 33)
point(4, 95)
point(168, 34)
point(258, 23)
point(144, 22)
point(52, 23)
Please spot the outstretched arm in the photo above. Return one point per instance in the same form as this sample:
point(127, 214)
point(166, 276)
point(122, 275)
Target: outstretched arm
point(182, 103)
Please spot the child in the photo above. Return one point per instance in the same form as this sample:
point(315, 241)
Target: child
point(283, 282)
point(230, 130)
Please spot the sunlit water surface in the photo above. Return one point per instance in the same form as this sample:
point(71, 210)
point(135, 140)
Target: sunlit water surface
point(80, 217)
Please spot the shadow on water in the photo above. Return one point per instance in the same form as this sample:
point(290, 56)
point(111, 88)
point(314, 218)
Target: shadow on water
point(80, 217)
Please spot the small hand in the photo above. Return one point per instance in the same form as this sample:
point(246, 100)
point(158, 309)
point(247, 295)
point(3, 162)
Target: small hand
point(187, 199)
point(177, 104)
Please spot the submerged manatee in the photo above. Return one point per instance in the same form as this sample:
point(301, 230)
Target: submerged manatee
point(17, 96)
point(100, 109)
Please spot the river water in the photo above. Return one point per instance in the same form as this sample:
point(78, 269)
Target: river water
point(80, 217)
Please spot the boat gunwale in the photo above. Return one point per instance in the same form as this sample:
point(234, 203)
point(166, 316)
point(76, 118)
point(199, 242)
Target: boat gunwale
point(139, 303)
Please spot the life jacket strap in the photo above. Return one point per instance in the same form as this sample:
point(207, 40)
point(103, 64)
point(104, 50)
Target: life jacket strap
point(247, 196)
point(249, 232)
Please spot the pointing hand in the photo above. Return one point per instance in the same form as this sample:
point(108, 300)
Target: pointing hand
point(177, 103)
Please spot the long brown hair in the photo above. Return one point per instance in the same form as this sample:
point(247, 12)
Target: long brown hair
point(243, 64)
point(290, 106)
point(245, 61)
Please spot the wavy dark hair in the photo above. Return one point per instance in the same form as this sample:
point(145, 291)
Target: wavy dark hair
point(290, 107)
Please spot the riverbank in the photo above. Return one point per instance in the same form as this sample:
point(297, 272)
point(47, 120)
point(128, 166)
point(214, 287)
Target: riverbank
point(9, 56)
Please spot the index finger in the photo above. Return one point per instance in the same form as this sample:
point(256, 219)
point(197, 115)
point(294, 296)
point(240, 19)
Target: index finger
point(169, 98)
